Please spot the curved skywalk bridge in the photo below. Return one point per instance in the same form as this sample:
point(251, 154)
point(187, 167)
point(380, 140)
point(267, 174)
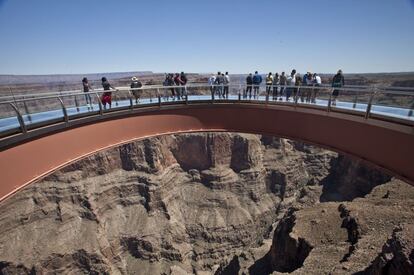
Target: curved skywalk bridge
point(43, 132)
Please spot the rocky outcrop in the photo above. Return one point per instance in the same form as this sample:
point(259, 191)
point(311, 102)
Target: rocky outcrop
point(397, 255)
point(190, 203)
point(358, 237)
point(350, 179)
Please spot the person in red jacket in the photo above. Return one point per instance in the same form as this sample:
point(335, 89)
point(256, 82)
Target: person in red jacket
point(106, 96)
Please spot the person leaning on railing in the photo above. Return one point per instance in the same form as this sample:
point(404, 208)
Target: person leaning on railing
point(257, 80)
point(211, 82)
point(307, 93)
point(86, 89)
point(106, 96)
point(178, 82)
point(338, 81)
point(276, 82)
point(249, 83)
point(297, 91)
point(290, 82)
point(282, 82)
point(269, 83)
point(134, 85)
point(317, 82)
point(169, 82)
point(226, 85)
point(219, 82)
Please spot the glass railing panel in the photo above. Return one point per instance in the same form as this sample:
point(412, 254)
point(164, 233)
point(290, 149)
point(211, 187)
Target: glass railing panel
point(121, 99)
point(395, 104)
point(8, 117)
point(199, 92)
point(80, 103)
point(38, 110)
point(355, 99)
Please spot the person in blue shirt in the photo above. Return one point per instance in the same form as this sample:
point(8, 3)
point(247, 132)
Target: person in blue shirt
point(257, 80)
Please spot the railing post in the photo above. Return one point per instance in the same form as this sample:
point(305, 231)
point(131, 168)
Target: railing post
point(116, 97)
point(213, 91)
point(19, 118)
point(131, 102)
point(330, 101)
point(186, 95)
point(76, 103)
point(410, 113)
point(355, 101)
point(99, 104)
point(65, 113)
point(159, 97)
point(369, 106)
point(26, 109)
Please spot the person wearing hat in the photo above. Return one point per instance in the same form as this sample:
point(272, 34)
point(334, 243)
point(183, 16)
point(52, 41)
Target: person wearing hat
point(135, 84)
point(338, 81)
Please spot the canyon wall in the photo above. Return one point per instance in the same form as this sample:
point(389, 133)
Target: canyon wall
point(207, 203)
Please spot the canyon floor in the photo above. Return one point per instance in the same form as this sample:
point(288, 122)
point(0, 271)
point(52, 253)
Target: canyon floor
point(210, 203)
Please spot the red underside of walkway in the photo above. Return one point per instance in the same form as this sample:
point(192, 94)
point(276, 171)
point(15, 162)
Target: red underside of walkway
point(388, 146)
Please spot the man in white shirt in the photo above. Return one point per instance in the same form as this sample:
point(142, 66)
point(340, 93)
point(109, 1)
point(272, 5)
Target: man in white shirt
point(290, 82)
point(317, 82)
point(226, 85)
point(211, 82)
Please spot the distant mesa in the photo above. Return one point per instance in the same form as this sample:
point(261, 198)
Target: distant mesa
point(53, 78)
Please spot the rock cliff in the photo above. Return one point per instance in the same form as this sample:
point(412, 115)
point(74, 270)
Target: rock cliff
point(190, 204)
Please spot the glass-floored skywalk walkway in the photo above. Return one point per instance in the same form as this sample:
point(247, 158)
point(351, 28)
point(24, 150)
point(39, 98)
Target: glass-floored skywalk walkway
point(20, 113)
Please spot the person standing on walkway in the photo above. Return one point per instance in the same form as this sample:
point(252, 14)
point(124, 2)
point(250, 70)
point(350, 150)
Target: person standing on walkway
point(249, 83)
point(257, 80)
point(211, 82)
point(219, 82)
point(135, 84)
point(169, 81)
point(226, 85)
point(338, 81)
point(269, 83)
point(307, 92)
point(297, 91)
point(276, 80)
point(291, 80)
point(177, 81)
point(282, 82)
point(86, 89)
point(184, 81)
point(317, 82)
point(106, 96)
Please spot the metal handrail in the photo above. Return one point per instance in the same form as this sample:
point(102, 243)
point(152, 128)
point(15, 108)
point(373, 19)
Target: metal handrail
point(155, 92)
point(17, 97)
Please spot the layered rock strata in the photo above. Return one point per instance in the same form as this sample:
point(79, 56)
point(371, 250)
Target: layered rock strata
point(184, 204)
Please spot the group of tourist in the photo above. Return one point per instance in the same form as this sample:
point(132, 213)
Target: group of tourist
point(106, 96)
point(219, 85)
point(277, 86)
point(176, 80)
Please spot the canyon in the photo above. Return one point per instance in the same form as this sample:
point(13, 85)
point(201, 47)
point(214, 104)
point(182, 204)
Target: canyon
point(210, 203)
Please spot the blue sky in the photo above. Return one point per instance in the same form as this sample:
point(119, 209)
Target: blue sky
point(86, 36)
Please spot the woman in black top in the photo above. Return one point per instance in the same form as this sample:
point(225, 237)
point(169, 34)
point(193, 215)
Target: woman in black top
point(86, 89)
